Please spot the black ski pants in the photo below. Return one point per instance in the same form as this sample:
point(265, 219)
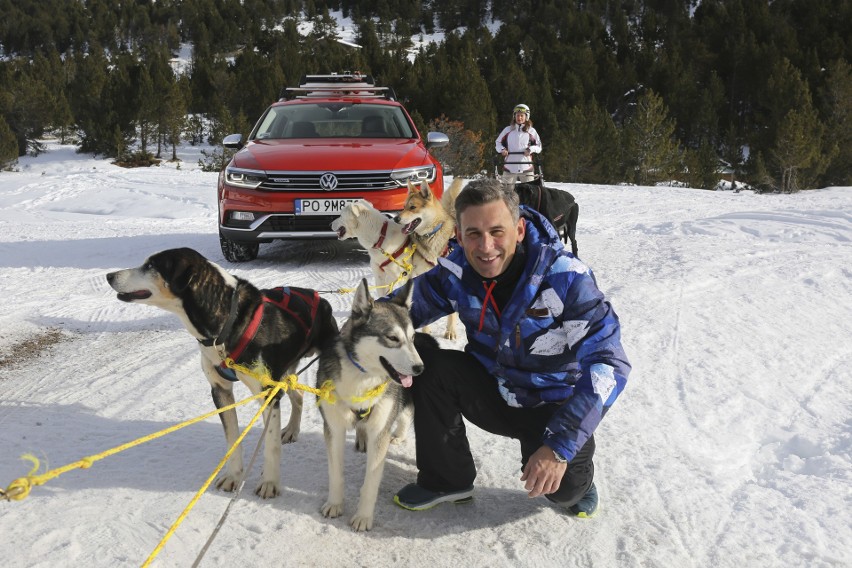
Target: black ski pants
point(455, 385)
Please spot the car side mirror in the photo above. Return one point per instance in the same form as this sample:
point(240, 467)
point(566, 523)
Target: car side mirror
point(233, 141)
point(436, 140)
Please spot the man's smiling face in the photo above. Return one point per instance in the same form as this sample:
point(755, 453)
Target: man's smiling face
point(489, 236)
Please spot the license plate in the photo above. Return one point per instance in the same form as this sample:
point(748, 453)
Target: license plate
point(322, 206)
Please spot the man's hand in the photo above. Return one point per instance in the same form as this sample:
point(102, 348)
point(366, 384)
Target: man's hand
point(504, 152)
point(543, 473)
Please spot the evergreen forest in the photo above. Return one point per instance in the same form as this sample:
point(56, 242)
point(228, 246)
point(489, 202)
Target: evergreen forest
point(635, 91)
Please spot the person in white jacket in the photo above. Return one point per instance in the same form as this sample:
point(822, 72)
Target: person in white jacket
point(516, 143)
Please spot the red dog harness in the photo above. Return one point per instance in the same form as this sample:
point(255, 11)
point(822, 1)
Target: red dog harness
point(395, 255)
point(303, 310)
point(300, 303)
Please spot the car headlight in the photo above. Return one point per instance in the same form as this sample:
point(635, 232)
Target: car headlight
point(244, 178)
point(416, 175)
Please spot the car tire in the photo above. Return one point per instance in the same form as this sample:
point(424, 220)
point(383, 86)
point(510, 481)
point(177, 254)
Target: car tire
point(235, 251)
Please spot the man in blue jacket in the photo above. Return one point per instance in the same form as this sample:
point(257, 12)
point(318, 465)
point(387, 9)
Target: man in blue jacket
point(543, 362)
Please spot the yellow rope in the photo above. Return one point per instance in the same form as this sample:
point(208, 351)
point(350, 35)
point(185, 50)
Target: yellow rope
point(20, 488)
point(261, 374)
point(404, 262)
point(325, 392)
point(328, 386)
point(269, 398)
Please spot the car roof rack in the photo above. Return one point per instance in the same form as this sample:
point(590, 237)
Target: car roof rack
point(348, 83)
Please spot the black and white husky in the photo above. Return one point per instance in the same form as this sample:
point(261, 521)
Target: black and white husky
point(231, 318)
point(370, 365)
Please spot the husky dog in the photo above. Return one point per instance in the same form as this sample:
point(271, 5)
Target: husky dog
point(431, 220)
point(431, 223)
point(428, 226)
point(231, 318)
point(370, 365)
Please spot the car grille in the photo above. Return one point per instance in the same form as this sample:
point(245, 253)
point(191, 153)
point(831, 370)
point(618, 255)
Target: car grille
point(287, 223)
point(346, 181)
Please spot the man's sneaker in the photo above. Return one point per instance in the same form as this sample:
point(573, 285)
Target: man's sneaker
point(415, 498)
point(587, 505)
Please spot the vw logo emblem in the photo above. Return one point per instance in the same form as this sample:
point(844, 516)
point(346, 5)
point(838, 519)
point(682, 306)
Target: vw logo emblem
point(328, 181)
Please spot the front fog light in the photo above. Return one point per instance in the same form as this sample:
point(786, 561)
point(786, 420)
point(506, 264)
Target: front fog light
point(242, 216)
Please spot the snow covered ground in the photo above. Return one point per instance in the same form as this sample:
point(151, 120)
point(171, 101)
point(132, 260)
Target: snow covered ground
point(732, 445)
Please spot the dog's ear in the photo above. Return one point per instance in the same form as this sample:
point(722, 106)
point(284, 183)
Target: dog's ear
point(403, 297)
point(425, 190)
point(362, 305)
point(178, 267)
point(175, 267)
point(412, 188)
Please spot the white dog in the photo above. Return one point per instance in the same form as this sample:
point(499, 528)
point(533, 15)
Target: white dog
point(397, 252)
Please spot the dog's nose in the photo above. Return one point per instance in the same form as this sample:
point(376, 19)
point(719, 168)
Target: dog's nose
point(396, 220)
point(417, 369)
point(110, 277)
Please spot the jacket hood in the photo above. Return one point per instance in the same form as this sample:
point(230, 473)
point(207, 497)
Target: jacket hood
point(316, 155)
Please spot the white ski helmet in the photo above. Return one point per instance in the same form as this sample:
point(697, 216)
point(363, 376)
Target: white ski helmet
point(522, 108)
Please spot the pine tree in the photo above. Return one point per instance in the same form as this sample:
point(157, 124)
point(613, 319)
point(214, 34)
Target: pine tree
point(147, 112)
point(172, 121)
point(797, 154)
point(27, 107)
point(785, 90)
point(87, 89)
point(837, 104)
point(8, 146)
point(587, 146)
point(702, 166)
point(652, 151)
point(760, 176)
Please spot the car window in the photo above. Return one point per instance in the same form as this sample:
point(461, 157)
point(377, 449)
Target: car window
point(334, 120)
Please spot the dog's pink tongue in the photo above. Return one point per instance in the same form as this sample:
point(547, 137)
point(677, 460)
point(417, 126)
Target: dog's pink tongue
point(406, 380)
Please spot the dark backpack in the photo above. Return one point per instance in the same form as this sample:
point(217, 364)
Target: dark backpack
point(558, 206)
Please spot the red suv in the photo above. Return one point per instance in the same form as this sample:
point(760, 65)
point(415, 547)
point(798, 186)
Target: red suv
point(333, 140)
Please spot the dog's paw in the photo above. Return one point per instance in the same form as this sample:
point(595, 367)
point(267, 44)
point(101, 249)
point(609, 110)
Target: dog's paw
point(396, 440)
point(450, 334)
point(228, 483)
point(361, 523)
point(332, 510)
point(289, 436)
point(267, 490)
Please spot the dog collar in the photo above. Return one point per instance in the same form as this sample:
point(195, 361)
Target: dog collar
point(382, 236)
point(354, 362)
point(435, 230)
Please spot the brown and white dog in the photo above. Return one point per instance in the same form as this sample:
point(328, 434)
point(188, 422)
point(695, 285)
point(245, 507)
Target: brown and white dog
point(397, 251)
point(229, 317)
point(431, 223)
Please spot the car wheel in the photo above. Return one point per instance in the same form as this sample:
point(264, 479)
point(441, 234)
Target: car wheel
point(235, 251)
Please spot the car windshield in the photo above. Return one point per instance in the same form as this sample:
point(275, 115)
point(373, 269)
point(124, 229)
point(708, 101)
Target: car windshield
point(334, 120)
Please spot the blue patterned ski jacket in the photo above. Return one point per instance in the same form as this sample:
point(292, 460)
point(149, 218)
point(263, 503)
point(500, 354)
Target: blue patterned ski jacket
point(557, 339)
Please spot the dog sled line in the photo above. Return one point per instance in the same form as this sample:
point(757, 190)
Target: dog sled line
point(20, 488)
point(263, 327)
